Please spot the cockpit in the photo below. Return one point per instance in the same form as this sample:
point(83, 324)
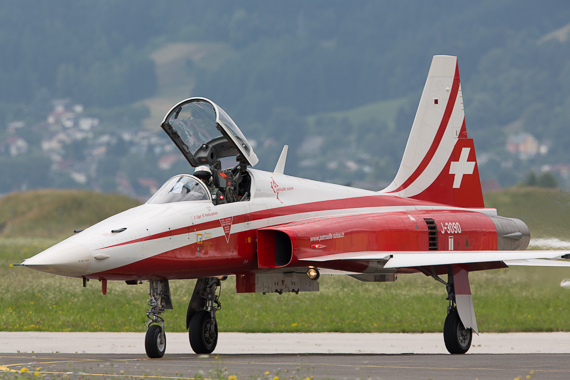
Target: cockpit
point(205, 134)
point(181, 188)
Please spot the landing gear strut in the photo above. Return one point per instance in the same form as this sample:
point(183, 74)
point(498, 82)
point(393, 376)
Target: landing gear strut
point(457, 338)
point(159, 300)
point(201, 315)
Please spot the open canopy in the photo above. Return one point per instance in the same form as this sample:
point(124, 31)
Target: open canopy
point(204, 133)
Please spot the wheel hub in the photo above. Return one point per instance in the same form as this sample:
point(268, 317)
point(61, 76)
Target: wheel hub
point(209, 331)
point(160, 341)
point(462, 335)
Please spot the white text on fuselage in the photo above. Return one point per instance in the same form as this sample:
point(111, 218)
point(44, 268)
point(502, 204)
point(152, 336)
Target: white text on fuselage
point(276, 189)
point(451, 228)
point(205, 215)
point(336, 235)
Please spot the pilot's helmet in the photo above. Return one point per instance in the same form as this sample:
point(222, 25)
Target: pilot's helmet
point(203, 172)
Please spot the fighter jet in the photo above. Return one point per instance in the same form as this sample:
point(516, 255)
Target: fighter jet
point(277, 233)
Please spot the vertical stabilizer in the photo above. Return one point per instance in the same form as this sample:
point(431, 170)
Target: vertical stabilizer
point(439, 163)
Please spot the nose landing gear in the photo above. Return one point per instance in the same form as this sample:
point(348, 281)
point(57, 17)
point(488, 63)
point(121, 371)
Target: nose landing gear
point(159, 300)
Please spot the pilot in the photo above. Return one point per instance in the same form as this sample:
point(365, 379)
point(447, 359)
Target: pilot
point(205, 175)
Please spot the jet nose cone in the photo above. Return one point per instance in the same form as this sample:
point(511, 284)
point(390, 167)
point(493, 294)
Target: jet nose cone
point(65, 259)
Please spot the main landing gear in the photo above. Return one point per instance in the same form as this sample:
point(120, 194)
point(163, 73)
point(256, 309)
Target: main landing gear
point(457, 338)
point(159, 300)
point(201, 315)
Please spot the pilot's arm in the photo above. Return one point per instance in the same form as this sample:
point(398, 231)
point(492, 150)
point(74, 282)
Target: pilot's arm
point(217, 196)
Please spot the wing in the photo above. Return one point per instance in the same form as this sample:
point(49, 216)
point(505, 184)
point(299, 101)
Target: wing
point(411, 259)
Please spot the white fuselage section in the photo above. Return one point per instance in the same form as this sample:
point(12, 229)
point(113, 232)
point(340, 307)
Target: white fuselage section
point(144, 230)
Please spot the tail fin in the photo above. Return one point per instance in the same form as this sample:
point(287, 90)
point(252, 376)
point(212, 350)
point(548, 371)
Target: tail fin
point(439, 163)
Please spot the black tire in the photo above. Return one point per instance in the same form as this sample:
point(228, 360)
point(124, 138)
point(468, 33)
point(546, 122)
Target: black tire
point(203, 333)
point(457, 338)
point(155, 342)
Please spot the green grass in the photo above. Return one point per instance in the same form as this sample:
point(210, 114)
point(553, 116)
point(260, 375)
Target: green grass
point(56, 213)
point(545, 211)
point(517, 299)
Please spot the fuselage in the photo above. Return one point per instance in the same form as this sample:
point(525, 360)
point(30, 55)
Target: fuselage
point(193, 239)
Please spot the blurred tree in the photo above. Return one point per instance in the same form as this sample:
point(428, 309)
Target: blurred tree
point(22, 173)
point(547, 179)
point(531, 179)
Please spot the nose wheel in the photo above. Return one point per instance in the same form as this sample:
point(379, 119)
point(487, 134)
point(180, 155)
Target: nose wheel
point(155, 341)
point(159, 300)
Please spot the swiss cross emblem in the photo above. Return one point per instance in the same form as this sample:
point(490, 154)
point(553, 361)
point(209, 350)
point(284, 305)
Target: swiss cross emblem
point(461, 167)
point(227, 226)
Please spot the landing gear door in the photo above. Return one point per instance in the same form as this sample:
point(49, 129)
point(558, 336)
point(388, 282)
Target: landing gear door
point(205, 133)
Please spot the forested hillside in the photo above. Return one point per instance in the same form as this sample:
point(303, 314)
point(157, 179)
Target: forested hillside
point(83, 85)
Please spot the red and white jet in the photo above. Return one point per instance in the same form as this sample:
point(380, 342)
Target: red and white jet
point(277, 233)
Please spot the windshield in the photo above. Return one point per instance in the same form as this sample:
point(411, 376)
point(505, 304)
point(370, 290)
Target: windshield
point(182, 188)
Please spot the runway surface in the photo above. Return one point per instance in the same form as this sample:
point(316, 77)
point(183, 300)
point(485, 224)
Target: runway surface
point(177, 366)
point(288, 356)
point(285, 343)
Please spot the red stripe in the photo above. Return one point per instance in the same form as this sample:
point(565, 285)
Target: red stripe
point(125, 243)
point(335, 204)
point(439, 135)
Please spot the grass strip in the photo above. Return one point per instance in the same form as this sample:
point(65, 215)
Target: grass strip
point(515, 299)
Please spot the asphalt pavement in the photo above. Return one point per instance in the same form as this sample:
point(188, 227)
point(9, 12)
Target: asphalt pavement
point(284, 343)
point(286, 356)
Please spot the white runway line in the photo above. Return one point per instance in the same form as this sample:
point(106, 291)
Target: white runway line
point(285, 343)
